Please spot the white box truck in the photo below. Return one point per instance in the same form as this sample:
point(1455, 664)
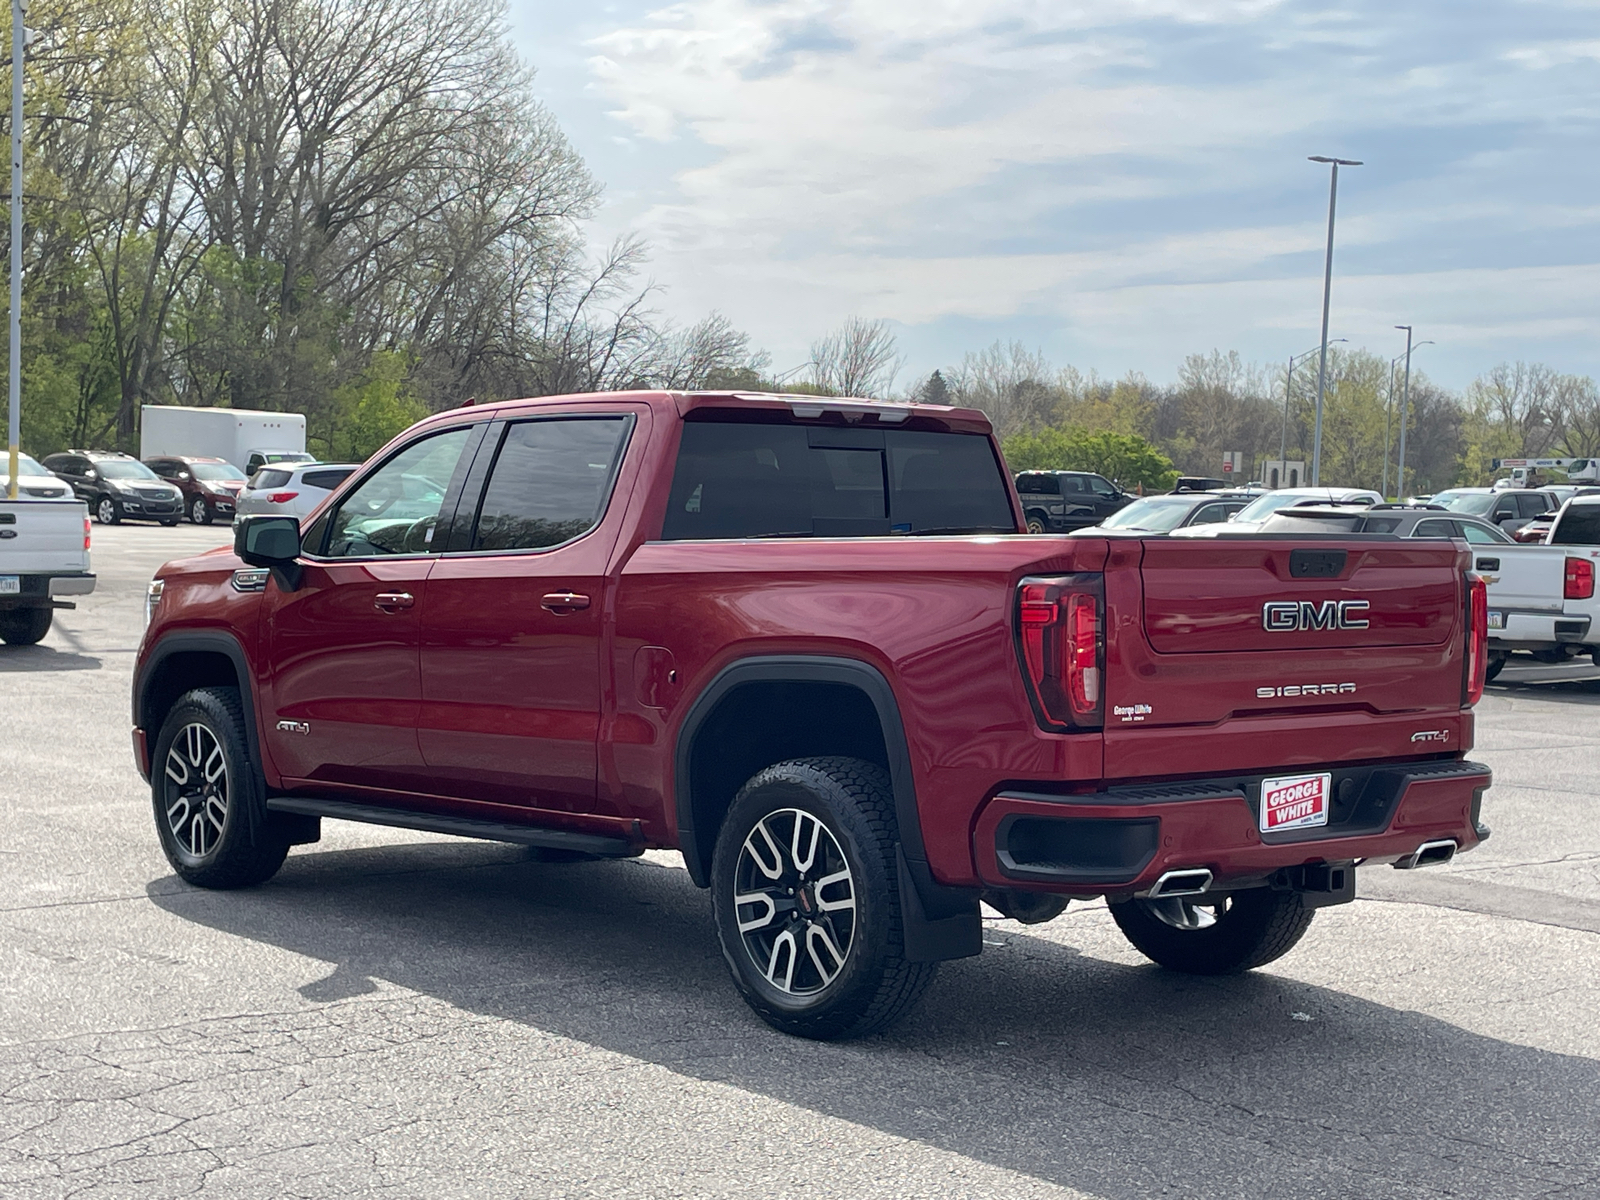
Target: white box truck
point(246, 437)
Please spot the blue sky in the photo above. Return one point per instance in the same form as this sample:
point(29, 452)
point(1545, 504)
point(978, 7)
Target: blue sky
point(1116, 182)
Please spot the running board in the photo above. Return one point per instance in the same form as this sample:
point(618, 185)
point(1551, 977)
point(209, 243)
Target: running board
point(493, 831)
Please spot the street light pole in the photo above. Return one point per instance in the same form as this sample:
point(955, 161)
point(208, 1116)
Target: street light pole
point(19, 40)
point(1388, 424)
point(1327, 294)
point(1405, 401)
point(1288, 390)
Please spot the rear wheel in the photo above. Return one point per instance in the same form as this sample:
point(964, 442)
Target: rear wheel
point(807, 907)
point(1215, 935)
point(203, 785)
point(1494, 666)
point(25, 626)
point(107, 511)
point(200, 511)
point(1035, 523)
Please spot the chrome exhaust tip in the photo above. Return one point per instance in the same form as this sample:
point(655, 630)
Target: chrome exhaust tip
point(1429, 854)
point(1191, 881)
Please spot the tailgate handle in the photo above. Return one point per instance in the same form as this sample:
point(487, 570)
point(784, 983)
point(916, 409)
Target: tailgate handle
point(1488, 564)
point(1316, 564)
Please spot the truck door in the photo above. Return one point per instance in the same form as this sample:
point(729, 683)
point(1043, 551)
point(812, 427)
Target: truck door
point(343, 683)
point(511, 641)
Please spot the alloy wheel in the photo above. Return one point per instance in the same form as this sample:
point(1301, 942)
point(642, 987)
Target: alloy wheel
point(106, 511)
point(197, 790)
point(795, 902)
point(198, 513)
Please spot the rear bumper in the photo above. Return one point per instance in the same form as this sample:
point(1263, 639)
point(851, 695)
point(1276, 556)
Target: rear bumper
point(1121, 841)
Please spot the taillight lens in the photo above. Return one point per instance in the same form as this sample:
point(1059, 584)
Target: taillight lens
point(282, 497)
point(86, 531)
point(1578, 579)
point(1059, 634)
point(1477, 638)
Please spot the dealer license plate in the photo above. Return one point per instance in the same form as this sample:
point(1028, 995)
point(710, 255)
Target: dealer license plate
point(1295, 802)
point(1497, 620)
point(10, 585)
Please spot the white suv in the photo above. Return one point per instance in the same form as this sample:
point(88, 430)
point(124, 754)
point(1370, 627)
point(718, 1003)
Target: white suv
point(291, 491)
point(1249, 519)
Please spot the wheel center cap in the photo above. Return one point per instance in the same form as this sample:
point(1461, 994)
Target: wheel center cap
point(804, 902)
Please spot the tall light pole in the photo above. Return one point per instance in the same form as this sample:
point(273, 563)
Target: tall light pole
point(19, 41)
point(1327, 294)
point(1288, 390)
point(1405, 401)
point(1388, 424)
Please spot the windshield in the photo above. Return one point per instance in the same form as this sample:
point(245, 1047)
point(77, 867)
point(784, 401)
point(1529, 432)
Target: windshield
point(215, 471)
point(1155, 513)
point(26, 465)
point(1264, 506)
point(1476, 503)
point(123, 468)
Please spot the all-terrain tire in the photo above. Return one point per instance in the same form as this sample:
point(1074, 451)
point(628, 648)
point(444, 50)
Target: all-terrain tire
point(1254, 928)
point(1494, 666)
point(209, 835)
point(25, 626)
point(875, 985)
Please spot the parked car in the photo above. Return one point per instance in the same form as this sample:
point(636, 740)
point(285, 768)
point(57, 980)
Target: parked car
point(210, 486)
point(44, 555)
point(1060, 501)
point(1198, 483)
point(292, 490)
point(116, 486)
point(1249, 518)
point(1538, 528)
point(1510, 508)
point(779, 635)
point(1402, 520)
point(1162, 514)
point(33, 480)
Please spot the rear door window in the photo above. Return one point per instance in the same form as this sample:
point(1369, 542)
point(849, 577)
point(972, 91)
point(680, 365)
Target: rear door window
point(1211, 514)
point(550, 482)
point(1435, 528)
point(329, 479)
point(746, 480)
point(1580, 526)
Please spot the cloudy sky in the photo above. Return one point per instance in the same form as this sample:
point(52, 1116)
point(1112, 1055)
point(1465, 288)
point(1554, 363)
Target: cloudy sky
point(1116, 182)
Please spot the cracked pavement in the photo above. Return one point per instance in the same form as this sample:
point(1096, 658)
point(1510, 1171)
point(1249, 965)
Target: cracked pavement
point(399, 1014)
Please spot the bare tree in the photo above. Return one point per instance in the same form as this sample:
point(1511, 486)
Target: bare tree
point(1523, 402)
point(857, 359)
point(1012, 384)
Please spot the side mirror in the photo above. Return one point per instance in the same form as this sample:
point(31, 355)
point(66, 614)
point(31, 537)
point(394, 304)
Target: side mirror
point(272, 542)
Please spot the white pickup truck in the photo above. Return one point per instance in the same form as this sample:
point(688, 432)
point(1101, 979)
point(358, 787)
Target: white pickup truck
point(44, 555)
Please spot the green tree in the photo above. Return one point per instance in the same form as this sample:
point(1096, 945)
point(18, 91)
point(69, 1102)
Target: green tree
point(1125, 457)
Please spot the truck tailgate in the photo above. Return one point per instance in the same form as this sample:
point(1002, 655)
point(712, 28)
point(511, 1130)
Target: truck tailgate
point(45, 537)
point(1279, 651)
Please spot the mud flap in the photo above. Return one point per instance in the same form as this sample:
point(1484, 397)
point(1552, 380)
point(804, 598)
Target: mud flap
point(940, 922)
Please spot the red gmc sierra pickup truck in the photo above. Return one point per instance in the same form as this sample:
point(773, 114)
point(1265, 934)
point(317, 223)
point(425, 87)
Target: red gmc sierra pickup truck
point(804, 641)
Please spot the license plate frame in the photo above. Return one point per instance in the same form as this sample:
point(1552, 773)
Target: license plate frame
point(1289, 802)
point(10, 585)
point(1497, 619)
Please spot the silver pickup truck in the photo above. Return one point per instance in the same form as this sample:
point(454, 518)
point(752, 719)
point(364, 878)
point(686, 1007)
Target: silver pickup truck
point(44, 555)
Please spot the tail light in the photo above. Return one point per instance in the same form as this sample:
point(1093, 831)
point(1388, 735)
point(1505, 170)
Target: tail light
point(282, 497)
point(1477, 638)
point(1578, 579)
point(1061, 643)
point(86, 531)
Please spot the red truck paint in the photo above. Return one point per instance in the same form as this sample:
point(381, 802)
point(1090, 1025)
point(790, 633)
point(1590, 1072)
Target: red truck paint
point(550, 689)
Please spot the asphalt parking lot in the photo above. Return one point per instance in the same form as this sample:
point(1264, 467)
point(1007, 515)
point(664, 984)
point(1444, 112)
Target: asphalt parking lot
point(398, 1014)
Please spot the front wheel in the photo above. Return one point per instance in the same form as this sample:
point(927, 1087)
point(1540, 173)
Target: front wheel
point(108, 511)
point(807, 907)
point(200, 512)
point(203, 784)
point(1219, 935)
point(25, 626)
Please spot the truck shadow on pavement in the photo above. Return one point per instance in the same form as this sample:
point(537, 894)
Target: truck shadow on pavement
point(45, 658)
point(1127, 1082)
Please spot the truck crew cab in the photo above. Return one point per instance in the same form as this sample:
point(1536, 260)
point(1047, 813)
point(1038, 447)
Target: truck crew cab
point(795, 638)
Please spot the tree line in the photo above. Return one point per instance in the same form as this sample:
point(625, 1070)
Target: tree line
point(358, 210)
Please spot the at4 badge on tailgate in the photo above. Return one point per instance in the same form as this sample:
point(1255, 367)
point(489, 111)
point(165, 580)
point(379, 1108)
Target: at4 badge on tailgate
point(1294, 802)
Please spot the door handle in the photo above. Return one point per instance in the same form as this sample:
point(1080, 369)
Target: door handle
point(1488, 564)
point(563, 603)
point(393, 601)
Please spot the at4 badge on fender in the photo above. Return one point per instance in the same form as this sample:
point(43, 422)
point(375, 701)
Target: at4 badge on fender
point(1294, 802)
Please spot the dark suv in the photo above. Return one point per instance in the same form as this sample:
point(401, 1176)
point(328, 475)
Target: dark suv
point(210, 486)
point(116, 485)
point(1060, 501)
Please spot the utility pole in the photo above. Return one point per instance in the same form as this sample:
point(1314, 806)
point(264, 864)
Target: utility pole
point(19, 42)
point(1327, 293)
point(1405, 400)
point(1283, 433)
